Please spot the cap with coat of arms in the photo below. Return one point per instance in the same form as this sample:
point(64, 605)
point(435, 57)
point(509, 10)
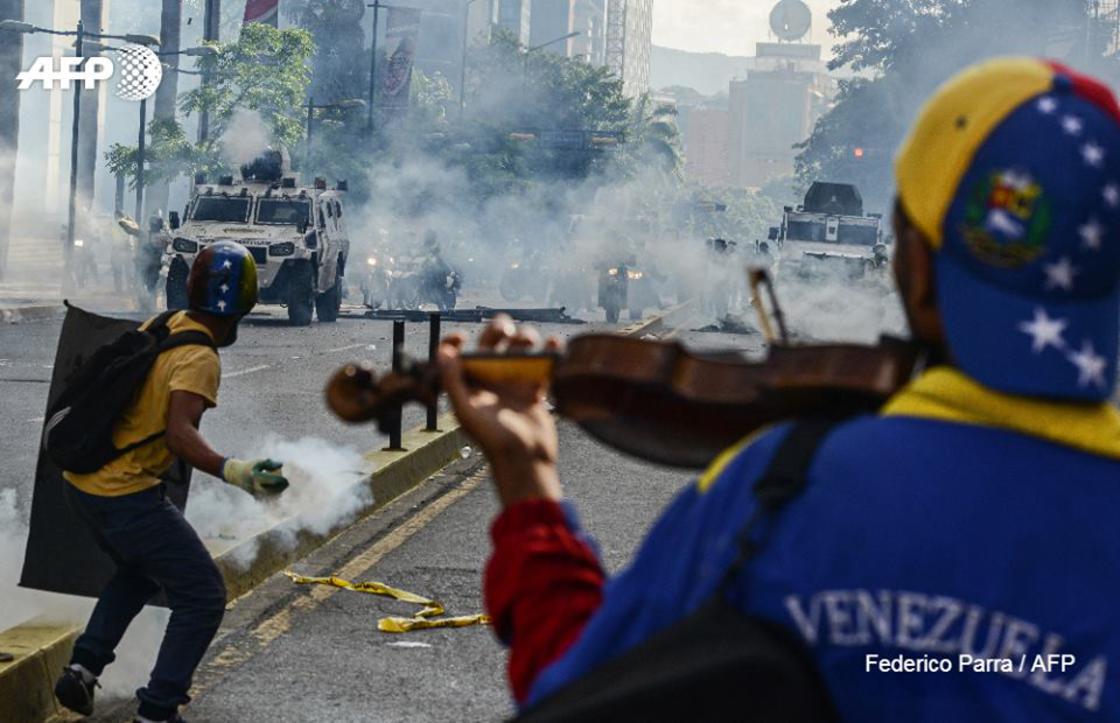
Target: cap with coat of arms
point(1012, 173)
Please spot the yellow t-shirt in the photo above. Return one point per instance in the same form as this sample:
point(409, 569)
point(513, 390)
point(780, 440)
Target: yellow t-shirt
point(193, 368)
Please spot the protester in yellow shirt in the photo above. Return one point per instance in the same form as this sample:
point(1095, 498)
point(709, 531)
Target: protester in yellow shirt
point(126, 507)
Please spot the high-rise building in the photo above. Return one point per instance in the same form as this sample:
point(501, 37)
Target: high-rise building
point(589, 17)
point(552, 19)
point(439, 46)
point(514, 16)
point(629, 41)
point(705, 146)
point(774, 108)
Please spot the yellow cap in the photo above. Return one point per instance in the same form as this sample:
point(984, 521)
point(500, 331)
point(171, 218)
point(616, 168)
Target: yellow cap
point(952, 126)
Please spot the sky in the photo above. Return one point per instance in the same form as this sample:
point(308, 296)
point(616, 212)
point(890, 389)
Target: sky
point(726, 26)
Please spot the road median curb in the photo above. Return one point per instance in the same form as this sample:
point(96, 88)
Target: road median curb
point(41, 648)
point(395, 472)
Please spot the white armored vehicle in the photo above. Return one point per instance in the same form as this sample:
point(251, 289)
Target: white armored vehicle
point(831, 231)
point(297, 235)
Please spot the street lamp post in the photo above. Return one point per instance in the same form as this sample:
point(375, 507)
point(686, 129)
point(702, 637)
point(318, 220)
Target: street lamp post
point(463, 67)
point(535, 48)
point(72, 207)
point(79, 34)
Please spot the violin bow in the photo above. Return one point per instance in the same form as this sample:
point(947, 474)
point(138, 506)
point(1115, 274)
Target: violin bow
point(760, 278)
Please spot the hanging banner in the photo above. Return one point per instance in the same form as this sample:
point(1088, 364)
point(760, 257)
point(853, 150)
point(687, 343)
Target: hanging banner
point(402, 31)
point(262, 11)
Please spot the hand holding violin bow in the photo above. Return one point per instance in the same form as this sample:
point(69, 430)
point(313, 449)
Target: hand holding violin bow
point(507, 418)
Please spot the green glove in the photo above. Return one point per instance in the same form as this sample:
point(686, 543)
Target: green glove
point(255, 476)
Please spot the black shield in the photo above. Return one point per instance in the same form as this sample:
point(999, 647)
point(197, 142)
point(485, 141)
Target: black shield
point(63, 554)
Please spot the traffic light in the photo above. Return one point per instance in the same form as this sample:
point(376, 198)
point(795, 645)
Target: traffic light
point(858, 152)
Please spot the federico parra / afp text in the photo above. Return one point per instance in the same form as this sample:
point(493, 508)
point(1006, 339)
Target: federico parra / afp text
point(965, 663)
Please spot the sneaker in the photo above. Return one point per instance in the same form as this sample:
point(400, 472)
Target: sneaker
point(74, 693)
point(174, 719)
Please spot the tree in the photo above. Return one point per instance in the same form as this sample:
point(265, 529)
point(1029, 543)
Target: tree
point(340, 64)
point(11, 54)
point(902, 50)
point(265, 71)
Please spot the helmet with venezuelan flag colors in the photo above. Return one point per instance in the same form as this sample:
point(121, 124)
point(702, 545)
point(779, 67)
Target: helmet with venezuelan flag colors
point(223, 280)
point(1012, 175)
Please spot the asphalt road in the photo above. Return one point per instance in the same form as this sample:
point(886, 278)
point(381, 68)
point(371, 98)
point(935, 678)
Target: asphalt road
point(286, 653)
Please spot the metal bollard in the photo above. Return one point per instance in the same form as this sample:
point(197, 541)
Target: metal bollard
point(433, 348)
point(398, 358)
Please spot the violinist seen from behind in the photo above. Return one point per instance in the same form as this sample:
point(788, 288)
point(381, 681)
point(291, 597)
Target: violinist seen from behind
point(973, 519)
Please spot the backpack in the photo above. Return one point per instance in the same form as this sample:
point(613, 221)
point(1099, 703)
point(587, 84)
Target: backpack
point(78, 434)
point(716, 664)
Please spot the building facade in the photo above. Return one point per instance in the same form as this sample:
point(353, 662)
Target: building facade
point(705, 146)
point(774, 108)
point(589, 17)
point(629, 42)
point(551, 19)
point(514, 16)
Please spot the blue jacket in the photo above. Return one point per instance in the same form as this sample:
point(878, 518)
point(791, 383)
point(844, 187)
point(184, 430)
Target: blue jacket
point(937, 535)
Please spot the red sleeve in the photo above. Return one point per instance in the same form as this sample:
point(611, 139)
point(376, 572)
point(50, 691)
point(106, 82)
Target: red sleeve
point(543, 583)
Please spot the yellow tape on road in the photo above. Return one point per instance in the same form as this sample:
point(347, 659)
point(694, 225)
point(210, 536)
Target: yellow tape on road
point(427, 618)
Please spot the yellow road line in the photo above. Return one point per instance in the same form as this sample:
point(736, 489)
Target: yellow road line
point(280, 622)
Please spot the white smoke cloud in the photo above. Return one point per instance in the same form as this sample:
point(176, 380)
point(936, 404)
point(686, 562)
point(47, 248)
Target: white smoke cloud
point(327, 490)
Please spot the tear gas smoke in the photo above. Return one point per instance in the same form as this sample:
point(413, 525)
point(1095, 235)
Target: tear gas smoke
point(326, 491)
point(245, 138)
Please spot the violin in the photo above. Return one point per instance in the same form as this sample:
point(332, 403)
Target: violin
point(657, 400)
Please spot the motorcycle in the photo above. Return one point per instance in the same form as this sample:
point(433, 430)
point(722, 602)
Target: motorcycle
point(83, 263)
point(439, 284)
point(614, 282)
point(642, 293)
point(375, 280)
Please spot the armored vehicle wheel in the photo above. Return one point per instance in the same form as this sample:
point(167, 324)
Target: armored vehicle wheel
point(328, 303)
point(177, 285)
point(300, 304)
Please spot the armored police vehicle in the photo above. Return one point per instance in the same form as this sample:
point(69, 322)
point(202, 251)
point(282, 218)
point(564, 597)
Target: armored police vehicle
point(831, 231)
point(297, 235)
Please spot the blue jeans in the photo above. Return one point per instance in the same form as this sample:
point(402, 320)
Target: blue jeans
point(155, 548)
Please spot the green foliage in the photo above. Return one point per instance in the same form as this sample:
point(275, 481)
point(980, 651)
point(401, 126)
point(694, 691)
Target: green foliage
point(168, 155)
point(265, 71)
point(903, 49)
point(748, 215)
point(508, 88)
point(433, 102)
point(652, 140)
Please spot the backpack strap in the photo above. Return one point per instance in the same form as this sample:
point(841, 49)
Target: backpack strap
point(186, 338)
point(784, 479)
point(174, 341)
point(157, 327)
